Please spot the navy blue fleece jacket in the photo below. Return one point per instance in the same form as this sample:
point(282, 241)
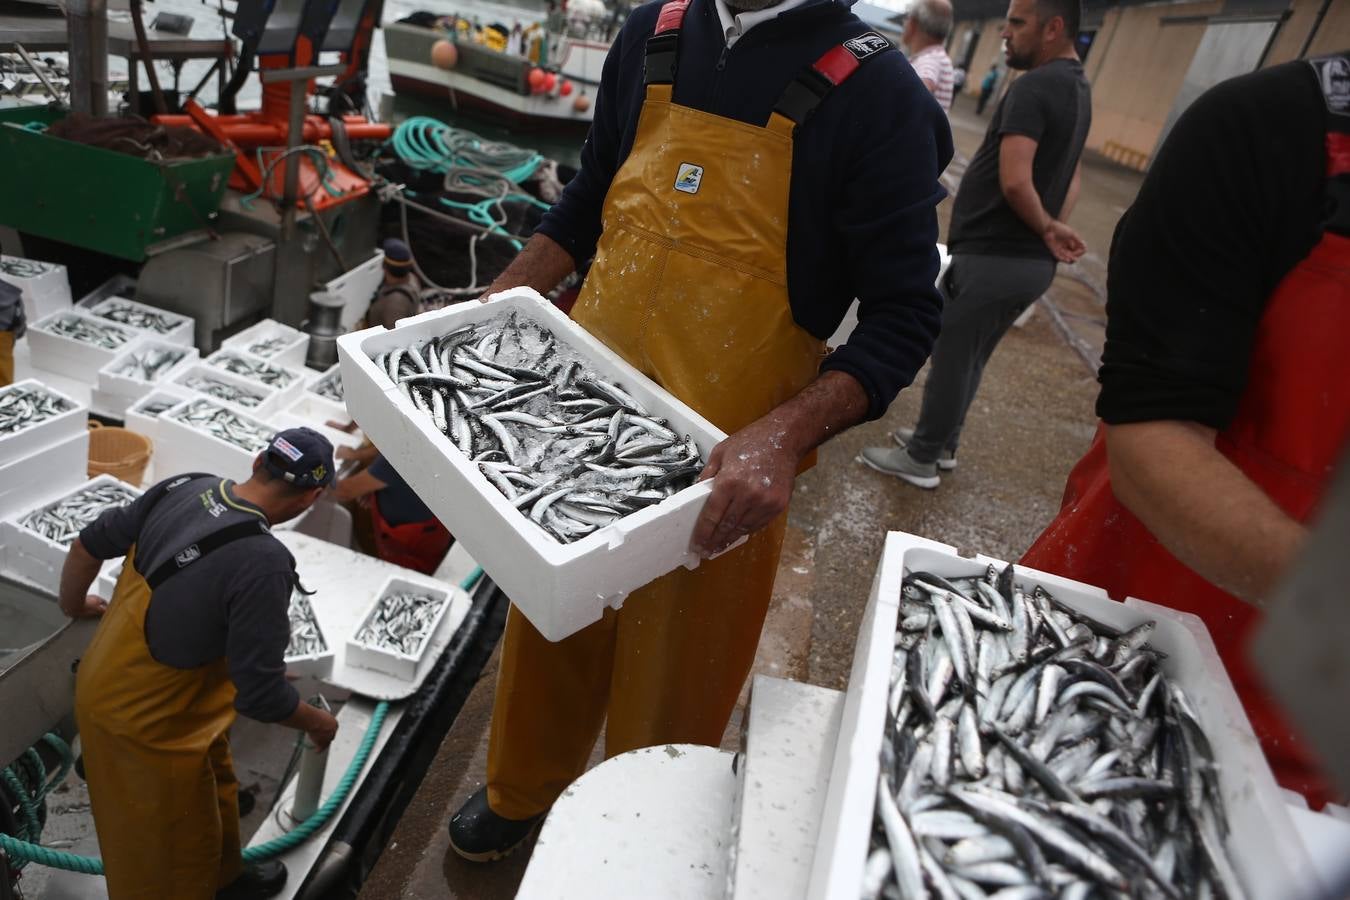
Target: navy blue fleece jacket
point(862, 220)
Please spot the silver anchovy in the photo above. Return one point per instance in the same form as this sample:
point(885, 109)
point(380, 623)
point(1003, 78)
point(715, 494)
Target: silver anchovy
point(87, 331)
point(329, 387)
point(255, 370)
point(137, 316)
point(306, 636)
point(148, 364)
point(22, 406)
point(63, 520)
point(214, 419)
point(401, 622)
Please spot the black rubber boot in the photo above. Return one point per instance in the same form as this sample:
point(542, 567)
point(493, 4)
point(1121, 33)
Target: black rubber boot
point(258, 880)
point(480, 835)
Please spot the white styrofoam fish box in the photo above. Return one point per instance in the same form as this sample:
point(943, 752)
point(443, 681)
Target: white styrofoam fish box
point(121, 378)
point(180, 448)
point(561, 588)
point(254, 398)
point(48, 432)
point(169, 326)
point(1263, 845)
point(393, 662)
point(142, 417)
point(75, 358)
point(335, 410)
point(45, 287)
point(356, 288)
point(288, 382)
point(271, 340)
point(314, 665)
point(26, 480)
point(37, 558)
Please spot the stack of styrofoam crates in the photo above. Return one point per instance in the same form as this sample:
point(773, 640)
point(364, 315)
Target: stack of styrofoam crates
point(48, 455)
point(271, 340)
point(288, 382)
point(142, 417)
point(35, 558)
point(175, 328)
point(261, 400)
point(45, 287)
point(120, 385)
point(182, 448)
point(355, 288)
point(65, 355)
point(393, 662)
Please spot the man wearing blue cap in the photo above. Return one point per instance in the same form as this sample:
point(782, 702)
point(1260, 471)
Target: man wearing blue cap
point(400, 294)
point(196, 632)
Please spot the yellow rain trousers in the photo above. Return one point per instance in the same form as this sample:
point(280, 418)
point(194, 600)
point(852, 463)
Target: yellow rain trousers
point(157, 759)
point(6, 358)
point(689, 285)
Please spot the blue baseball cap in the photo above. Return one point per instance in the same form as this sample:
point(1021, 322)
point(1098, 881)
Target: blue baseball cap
point(302, 456)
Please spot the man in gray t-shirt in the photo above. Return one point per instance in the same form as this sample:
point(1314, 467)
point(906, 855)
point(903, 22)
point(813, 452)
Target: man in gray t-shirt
point(1007, 231)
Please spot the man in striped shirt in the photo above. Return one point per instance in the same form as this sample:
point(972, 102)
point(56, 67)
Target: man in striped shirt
point(926, 29)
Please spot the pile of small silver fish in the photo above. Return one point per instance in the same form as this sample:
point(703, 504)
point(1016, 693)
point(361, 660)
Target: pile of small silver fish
point(88, 331)
point(148, 364)
point(152, 408)
point(204, 415)
point(63, 520)
point(24, 406)
point(1031, 752)
point(137, 316)
point(306, 636)
point(329, 387)
point(567, 448)
point(401, 622)
point(270, 346)
point(257, 370)
point(214, 387)
point(16, 267)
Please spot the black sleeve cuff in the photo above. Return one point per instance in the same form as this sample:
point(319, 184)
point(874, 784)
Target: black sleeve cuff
point(851, 363)
point(272, 704)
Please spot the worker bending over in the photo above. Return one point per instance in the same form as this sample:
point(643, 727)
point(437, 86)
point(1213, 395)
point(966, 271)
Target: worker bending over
point(196, 631)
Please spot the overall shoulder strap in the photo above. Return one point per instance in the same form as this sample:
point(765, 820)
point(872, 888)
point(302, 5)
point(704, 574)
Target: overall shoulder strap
point(1333, 78)
point(202, 548)
point(663, 47)
point(814, 83)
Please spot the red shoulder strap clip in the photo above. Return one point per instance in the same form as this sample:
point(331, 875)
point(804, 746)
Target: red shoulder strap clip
point(663, 47)
point(805, 92)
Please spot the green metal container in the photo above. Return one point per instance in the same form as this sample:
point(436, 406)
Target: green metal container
point(100, 199)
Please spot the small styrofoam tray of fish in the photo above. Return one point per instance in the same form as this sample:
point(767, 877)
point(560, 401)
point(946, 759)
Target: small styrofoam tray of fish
point(286, 381)
point(134, 372)
point(1058, 809)
point(201, 435)
point(76, 344)
point(251, 397)
point(395, 631)
point(324, 391)
point(39, 539)
point(308, 652)
point(34, 416)
point(172, 327)
point(28, 479)
point(272, 341)
point(143, 415)
point(560, 586)
point(46, 289)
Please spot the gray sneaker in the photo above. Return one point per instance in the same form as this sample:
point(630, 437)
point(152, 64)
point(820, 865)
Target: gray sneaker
point(946, 460)
point(897, 461)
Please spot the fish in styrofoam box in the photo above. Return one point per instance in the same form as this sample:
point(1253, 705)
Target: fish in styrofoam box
point(27, 479)
point(134, 372)
point(201, 435)
point(560, 587)
point(73, 343)
point(160, 323)
point(272, 341)
point(141, 416)
point(324, 391)
point(235, 391)
point(396, 629)
point(308, 652)
point(286, 381)
point(34, 416)
point(45, 287)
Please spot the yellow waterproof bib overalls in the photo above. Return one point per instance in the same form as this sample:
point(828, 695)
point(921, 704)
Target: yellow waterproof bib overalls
point(157, 757)
point(689, 285)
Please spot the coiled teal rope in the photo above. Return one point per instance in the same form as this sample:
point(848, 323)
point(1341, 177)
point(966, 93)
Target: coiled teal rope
point(425, 143)
point(92, 865)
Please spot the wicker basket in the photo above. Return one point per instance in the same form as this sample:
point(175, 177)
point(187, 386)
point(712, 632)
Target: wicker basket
point(118, 452)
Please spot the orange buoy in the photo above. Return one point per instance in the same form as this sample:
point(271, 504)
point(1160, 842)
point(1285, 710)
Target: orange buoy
point(444, 55)
point(566, 88)
point(582, 103)
point(550, 81)
point(536, 79)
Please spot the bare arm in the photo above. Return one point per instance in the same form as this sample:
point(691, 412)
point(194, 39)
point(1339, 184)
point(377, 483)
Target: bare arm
point(321, 727)
point(541, 265)
point(1200, 506)
point(358, 486)
point(79, 571)
point(1015, 155)
point(754, 469)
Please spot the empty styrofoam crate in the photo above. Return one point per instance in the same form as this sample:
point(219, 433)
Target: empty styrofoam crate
point(28, 479)
point(1263, 845)
point(34, 435)
point(243, 394)
point(288, 382)
point(122, 376)
point(324, 391)
point(181, 447)
point(75, 358)
point(391, 661)
point(561, 588)
point(355, 288)
point(38, 558)
point(160, 323)
point(45, 287)
point(273, 341)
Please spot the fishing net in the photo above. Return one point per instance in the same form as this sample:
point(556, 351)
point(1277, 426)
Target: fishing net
point(135, 136)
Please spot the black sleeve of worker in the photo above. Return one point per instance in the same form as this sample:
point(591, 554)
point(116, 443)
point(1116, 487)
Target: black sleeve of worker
point(112, 533)
point(255, 648)
point(887, 221)
point(574, 221)
point(1229, 205)
point(1024, 109)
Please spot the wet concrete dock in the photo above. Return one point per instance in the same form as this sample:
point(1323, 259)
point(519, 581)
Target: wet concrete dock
point(1030, 423)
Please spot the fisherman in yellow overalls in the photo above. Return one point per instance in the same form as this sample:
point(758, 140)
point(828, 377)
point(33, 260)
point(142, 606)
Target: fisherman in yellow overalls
point(196, 629)
point(767, 178)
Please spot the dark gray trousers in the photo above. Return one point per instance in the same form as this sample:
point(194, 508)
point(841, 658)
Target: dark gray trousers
point(983, 296)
